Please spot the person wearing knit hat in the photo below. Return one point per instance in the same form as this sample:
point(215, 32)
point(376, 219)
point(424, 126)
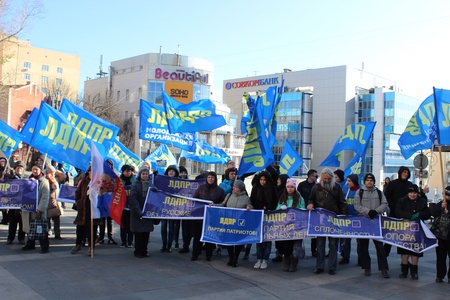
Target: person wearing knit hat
point(172, 171)
point(339, 177)
point(238, 198)
point(290, 198)
point(170, 229)
point(184, 173)
point(414, 208)
point(371, 202)
point(352, 186)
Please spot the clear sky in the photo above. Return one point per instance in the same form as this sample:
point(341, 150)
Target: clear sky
point(402, 40)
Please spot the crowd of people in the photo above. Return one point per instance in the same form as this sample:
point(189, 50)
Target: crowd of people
point(270, 190)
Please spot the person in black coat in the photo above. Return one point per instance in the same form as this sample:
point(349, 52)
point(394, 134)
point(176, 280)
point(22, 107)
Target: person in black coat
point(413, 208)
point(141, 227)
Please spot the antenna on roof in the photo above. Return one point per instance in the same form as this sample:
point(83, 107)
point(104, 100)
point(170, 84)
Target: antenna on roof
point(101, 73)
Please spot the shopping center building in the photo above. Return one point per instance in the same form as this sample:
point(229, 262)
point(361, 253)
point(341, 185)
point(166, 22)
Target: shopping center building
point(318, 104)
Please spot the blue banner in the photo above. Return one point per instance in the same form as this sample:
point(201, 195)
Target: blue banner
point(19, 194)
point(421, 130)
point(290, 160)
point(28, 128)
point(153, 127)
point(93, 127)
point(163, 205)
point(442, 100)
point(288, 224)
point(326, 223)
point(355, 166)
point(192, 117)
point(177, 186)
point(206, 153)
point(161, 158)
point(269, 114)
point(406, 234)
point(232, 226)
point(67, 193)
point(355, 137)
point(247, 115)
point(55, 135)
point(121, 155)
point(9, 138)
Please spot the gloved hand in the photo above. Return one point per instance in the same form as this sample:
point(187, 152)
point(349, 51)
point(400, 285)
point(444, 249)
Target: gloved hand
point(283, 207)
point(372, 213)
point(154, 189)
point(415, 216)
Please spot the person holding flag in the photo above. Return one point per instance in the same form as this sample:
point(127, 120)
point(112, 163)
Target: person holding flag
point(126, 235)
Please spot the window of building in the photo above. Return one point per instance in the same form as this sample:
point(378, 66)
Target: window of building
point(26, 76)
point(44, 90)
point(58, 81)
point(201, 92)
point(59, 70)
point(154, 91)
point(118, 96)
point(58, 94)
point(127, 95)
point(140, 93)
point(45, 68)
point(44, 79)
point(126, 114)
point(220, 141)
point(27, 65)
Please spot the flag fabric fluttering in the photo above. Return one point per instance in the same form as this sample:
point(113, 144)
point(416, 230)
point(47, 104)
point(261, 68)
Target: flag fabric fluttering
point(9, 138)
point(421, 130)
point(161, 158)
point(442, 102)
point(96, 178)
point(192, 117)
point(290, 160)
point(355, 137)
point(30, 124)
point(206, 153)
point(355, 166)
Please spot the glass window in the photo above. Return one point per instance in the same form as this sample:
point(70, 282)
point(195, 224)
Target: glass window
point(140, 93)
point(154, 93)
point(58, 81)
point(44, 90)
point(44, 79)
point(59, 70)
point(127, 95)
point(45, 68)
point(26, 76)
point(118, 96)
point(27, 65)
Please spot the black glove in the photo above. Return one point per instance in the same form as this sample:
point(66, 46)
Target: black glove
point(154, 189)
point(372, 213)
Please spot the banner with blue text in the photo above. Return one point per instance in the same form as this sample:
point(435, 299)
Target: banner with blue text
point(289, 224)
point(232, 226)
point(19, 194)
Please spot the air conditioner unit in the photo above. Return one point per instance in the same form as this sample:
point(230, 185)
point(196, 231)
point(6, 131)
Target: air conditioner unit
point(24, 70)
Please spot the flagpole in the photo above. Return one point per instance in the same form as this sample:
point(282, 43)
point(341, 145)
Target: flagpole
point(92, 232)
point(442, 172)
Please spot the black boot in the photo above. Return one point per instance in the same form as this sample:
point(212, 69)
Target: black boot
point(404, 272)
point(414, 272)
point(234, 263)
point(286, 263)
point(230, 261)
point(247, 252)
point(294, 263)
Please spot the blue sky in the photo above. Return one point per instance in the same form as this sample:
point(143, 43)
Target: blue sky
point(405, 41)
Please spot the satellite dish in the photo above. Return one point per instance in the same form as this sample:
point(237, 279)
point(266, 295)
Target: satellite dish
point(421, 161)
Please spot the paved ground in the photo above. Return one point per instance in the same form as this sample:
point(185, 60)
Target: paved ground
point(114, 273)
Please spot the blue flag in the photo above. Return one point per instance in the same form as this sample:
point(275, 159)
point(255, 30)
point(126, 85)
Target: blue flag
point(28, 128)
point(270, 102)
point(206, 153)
point(421, 130)
point(192, 117)
point(55, 135)
point(356, 137)
point(290, 161)
point(95, 128)
point(355, 166)
point(247, 115)
point(9, 138)
point(121, 155)
point(161, 158)
point(153, 127)
point(442, 100)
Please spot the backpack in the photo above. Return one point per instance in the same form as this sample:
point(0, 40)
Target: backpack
point(380, 195)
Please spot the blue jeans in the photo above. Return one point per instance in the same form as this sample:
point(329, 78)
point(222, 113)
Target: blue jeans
point(263, 250)
point(332, 258)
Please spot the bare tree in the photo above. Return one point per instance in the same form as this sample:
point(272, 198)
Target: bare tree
point(15, 21)
point(56, 89)
point(104, 106)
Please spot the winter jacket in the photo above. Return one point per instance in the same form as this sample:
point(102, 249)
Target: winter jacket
point(137, 199)
point(349, 194)
point(406, 208)
point(330, 200)
point(395, 190)
point(264, 197)
point(370, 201)
point(242, 200)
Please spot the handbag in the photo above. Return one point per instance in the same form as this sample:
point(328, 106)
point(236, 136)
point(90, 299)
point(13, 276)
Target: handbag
point(441, 227)
point(38, 229)
point(298, 251)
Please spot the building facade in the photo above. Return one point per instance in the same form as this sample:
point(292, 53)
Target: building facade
point(56, 73)
point(144, 77)
point(319, 103)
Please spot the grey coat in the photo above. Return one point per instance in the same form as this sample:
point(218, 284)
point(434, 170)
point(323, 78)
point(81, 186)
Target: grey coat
point(236, 201)
point(137, 200)
point(370, 201)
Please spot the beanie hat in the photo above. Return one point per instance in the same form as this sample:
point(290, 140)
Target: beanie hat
point(339, 174)
point(36, 164)
point(369, 176)
point(183, 169)
point(354, 178)
point(19, 164)
point(240, 185)
point(291, 182)
point(413, 188)
point(447, 190)
point(144, 168)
